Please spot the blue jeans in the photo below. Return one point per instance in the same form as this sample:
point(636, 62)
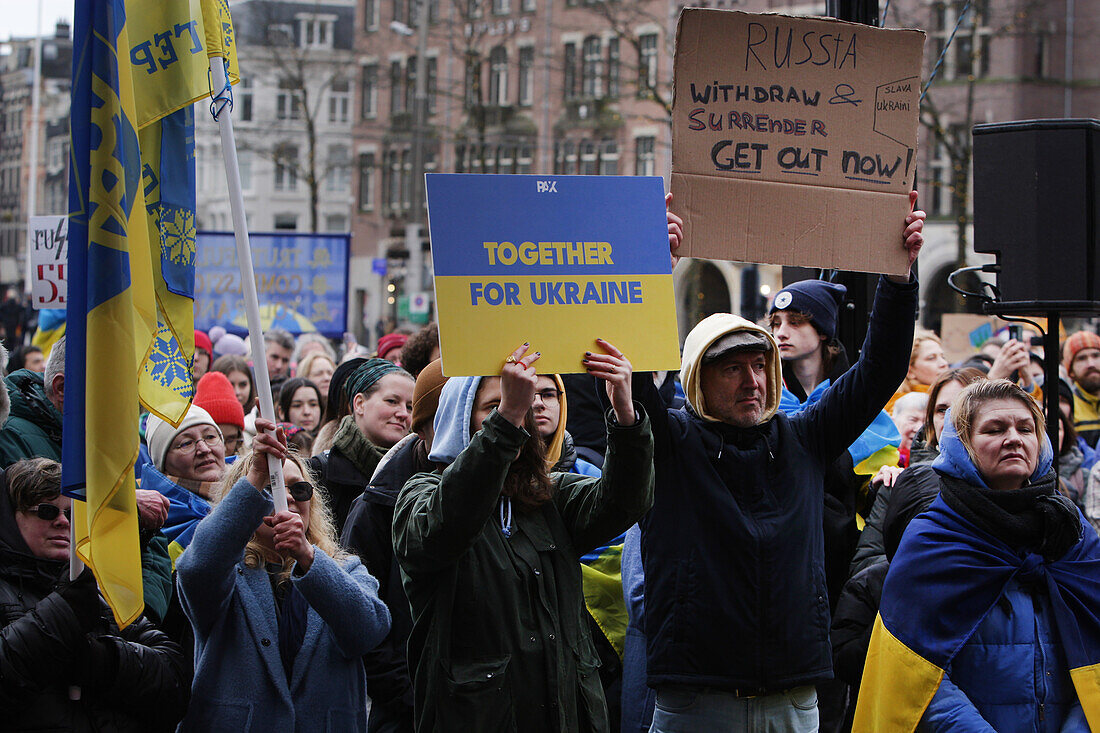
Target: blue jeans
point(697, 710)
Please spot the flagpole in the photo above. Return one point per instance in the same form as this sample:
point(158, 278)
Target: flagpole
point(244, 261)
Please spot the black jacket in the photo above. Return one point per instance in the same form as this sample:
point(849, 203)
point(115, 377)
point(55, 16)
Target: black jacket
point(368, 532)
point(733, 549)
point(56, 635)
point(916, 483)
point(342, 481)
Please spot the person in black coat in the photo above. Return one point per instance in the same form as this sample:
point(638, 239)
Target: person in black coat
point(368, 533)
point(64, 663)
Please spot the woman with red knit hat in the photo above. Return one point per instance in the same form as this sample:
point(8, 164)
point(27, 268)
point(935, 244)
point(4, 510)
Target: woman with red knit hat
point(215, 394)
point(390, 345)
point(204, 354)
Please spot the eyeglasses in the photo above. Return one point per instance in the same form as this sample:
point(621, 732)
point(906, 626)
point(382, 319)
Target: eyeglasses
point(548, 395)
point(212, 440)
point(49, 512)
point(300, 490)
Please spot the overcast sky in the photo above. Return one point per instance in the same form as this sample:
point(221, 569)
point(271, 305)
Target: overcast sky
point(20, 17)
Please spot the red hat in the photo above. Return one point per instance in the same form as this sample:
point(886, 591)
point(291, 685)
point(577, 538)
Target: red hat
point(1077, 342)
point(215, 394)
point(202, 341)
point(391, 341)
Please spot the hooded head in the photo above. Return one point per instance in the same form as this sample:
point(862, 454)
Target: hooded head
point(555, 445)
point(452, 418)
point(728, 333)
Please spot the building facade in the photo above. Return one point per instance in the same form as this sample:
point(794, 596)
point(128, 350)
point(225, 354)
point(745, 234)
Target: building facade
point(17, 119)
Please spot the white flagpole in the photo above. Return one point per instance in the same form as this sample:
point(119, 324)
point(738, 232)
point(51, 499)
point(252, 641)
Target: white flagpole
point(248, 277)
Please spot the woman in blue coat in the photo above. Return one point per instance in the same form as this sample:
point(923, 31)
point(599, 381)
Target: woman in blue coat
point(281, 615)
point(994, 588)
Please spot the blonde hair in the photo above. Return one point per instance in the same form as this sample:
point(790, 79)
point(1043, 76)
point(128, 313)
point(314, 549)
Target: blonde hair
point(321, 530)
point(919, 337)
point(306, 364)
point(965, 407)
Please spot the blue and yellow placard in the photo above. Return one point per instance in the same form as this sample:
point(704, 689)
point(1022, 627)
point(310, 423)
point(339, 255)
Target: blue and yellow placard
point(555, 260)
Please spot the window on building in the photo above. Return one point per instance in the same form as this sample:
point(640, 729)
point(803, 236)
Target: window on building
point(315, 31)
point(498, 76)
point(370, 15)
point(369, 102)
point(565, 158)
point(366, 181)
point(406, 179)
point(339, 101)
point(589, 159)
point(969, 52)
point(647, 64)
point(336, 223)
point(338, 165)
point(940, 171)
point(528, 6)
point(645, 159)
point(613, 89)
point(592, 68)
point(244, 98)
point(244, 166)
point(288, 102)
point(400, 11)
point(609, 158)
point(473, 8)
point(473, 80)
point(397, 96)
point(286, 222)
point(286, 168)
point(569, 71)
point(502, 7)
point(410, 84)
point(526, 76)
point(392, 181)
point(433, 84)
point(524, 159)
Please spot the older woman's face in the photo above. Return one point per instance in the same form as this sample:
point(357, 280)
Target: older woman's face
point(196, 454)
point(1005, 443)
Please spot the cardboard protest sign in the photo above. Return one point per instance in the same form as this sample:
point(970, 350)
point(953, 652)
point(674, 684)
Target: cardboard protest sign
point(557, 261)
point(48, 251)
point(794, 139)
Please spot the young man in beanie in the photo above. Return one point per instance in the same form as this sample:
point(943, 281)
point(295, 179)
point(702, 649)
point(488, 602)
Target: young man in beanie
point(803, 322)
point(736, 609)
point(1081, 358)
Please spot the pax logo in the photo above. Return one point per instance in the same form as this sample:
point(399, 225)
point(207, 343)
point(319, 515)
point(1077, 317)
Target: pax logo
point(546, 186)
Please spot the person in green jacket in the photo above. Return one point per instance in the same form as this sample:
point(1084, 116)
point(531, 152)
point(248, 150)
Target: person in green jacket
point(489, 551)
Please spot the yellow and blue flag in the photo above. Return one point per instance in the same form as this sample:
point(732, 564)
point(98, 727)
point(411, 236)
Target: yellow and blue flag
point(944, 580)
point(130, 313)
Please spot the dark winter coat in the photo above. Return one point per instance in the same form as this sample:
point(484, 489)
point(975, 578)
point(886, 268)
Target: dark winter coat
point(500, 638)
point(733, 550)
point(33, 429)
point(368, 532)
point(55, 634)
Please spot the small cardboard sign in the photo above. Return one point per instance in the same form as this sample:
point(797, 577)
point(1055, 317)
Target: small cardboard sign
point(794, 139)
point(557, 261)
point(47, 248)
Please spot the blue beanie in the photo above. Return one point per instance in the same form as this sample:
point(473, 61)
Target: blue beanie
point(818, 299)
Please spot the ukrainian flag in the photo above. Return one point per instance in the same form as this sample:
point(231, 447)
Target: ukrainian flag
point(131, 259)
point(942, 583)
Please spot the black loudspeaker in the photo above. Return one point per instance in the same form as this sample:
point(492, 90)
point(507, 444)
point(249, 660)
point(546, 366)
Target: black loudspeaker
point(1036, 202)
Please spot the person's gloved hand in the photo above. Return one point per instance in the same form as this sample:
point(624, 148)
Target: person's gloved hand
point(82, 595)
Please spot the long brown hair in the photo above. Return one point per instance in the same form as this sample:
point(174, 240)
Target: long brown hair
point(964, 376)
point(528, 483)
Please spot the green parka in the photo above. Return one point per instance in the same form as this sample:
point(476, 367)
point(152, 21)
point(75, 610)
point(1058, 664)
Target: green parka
point(499, 640)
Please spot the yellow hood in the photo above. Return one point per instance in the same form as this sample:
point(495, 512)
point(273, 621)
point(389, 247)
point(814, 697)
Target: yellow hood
point(553, 450)
point(709, 330)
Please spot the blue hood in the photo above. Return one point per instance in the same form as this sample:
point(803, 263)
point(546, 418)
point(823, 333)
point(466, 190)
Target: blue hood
point(955, 461)
point(452, 419)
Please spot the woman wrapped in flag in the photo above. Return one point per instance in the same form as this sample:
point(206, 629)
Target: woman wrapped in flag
point(990, 616)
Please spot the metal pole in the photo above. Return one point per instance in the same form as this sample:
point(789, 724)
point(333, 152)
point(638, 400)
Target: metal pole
point(420, 120)
point(248, 276)
point(32, 193)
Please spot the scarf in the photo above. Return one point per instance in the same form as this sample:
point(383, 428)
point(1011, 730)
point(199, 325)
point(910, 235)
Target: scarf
point(1035, 517)
point(353, 445)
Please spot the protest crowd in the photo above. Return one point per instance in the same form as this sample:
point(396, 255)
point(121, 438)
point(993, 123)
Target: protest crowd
point(609, 550)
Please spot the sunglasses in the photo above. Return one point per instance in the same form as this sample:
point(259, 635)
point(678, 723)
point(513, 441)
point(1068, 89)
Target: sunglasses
point(49, 512)
point(300, 490)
